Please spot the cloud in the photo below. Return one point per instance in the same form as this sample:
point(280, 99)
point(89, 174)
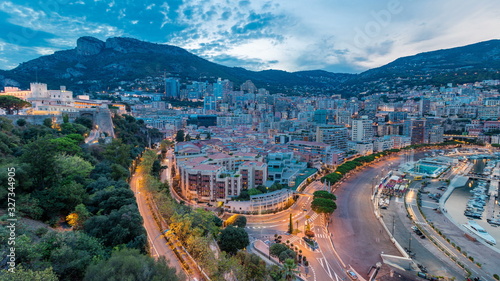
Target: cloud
point(54, 23)
point(380, 48)
point(334, 35)
point(165, 9)
point(248, 63)
point(41, 30)
point(121, 14)
point(21, 35)
point(212, 29)
point(44, 51)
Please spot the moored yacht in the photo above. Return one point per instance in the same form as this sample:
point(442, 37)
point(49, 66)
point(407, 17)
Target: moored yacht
point(478, 230)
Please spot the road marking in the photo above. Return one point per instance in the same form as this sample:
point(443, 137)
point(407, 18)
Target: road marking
point(313, 271)
point(325, 267)
point(293, 239)
point(313, 217)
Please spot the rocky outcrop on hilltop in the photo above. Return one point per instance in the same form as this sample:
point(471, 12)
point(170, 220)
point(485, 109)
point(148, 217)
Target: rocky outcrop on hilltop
point(89, 46)
point(95, 64)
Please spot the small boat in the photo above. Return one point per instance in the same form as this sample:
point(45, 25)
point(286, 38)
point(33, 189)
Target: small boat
point(472, 214)
point(476, 204)
point(479, 231)
point(494, 222)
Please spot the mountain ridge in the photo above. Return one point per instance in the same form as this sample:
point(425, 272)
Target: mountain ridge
point(95, 64)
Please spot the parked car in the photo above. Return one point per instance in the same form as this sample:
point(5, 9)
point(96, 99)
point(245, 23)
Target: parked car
point(352, 275)
point(417, 231)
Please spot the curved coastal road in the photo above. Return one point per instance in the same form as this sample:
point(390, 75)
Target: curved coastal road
point(158, 246)
point(358, 236)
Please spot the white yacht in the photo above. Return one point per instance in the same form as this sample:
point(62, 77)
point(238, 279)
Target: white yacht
point(478, 230)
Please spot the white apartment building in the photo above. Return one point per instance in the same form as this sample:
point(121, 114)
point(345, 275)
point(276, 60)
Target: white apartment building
point(362, 129)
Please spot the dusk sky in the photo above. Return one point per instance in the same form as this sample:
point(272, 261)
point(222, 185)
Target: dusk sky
point(338, 36)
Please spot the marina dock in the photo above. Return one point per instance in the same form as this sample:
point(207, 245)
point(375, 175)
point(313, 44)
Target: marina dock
point(490, 207)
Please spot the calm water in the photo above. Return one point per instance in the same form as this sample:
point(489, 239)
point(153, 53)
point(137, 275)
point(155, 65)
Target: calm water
point(457, 203)
point(426, 169)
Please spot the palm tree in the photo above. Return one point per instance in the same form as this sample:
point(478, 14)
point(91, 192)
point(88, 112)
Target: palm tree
point(289, 269)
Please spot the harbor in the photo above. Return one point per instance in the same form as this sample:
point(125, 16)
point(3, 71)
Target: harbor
point(476, 200)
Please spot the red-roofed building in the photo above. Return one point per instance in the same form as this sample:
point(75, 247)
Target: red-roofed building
point(253, 174)
point(219, 176)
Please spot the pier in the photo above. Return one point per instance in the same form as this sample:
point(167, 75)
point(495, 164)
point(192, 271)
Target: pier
point(493, 193)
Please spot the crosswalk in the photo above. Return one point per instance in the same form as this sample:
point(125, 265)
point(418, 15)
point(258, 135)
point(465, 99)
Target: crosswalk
point(304, 205)
point(257, 227)
point(313, 217)
point(293, 239)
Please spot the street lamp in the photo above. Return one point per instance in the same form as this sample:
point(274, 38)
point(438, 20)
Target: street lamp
point(393, 225)
point(409, 244)
point(374, 182)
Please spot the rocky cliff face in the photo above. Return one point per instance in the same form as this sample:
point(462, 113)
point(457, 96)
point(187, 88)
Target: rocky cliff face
point(131, 45)
point(89, 46)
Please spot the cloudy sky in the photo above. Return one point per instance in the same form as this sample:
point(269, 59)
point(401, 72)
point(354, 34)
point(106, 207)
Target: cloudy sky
point(338, 36)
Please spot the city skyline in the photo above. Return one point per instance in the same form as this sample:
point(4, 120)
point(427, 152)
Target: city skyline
point(131, 159)
point(257, 35)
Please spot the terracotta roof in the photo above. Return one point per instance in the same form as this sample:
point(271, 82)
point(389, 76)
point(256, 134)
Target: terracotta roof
point(207, 167)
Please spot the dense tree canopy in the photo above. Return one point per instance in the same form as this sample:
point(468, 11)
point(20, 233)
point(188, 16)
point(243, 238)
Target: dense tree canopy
point(277, 248)
point(179, 136)
point(118, 153)
point(61, 198)
point(109, 199)
point(324, 194)
point(70, 168)
point(254, 267)
point(233, 239)
point(71, 253)
point(12, 104)
point(123, 226)
point(237, 220)
point(65, 180)
point(23, 274)
point(129, 264)
point(87, 122)
point(323, 205)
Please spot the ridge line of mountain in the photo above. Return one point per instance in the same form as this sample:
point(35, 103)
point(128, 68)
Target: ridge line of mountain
point(95, 65)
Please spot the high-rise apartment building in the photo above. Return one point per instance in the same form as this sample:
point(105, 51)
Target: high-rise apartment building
point(362, 129)
point(334, 135)
point(172, 88)
point(415, 129)
point(209, 104)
